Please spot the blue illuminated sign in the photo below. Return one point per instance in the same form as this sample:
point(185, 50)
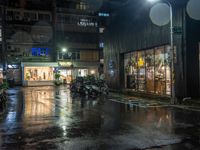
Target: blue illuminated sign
point(38, 51)
point(104, 14)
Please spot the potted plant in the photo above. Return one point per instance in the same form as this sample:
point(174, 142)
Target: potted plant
point(57, 78)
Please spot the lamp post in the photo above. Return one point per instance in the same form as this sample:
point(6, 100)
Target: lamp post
point(173, 96)
point(64, 50)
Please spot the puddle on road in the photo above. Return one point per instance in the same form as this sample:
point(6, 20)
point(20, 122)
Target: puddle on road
point(48, 117)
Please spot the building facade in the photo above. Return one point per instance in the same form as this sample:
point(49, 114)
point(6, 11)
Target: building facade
point(28, 38)
point(38, 31)
point(77, 33)
point(137, 52)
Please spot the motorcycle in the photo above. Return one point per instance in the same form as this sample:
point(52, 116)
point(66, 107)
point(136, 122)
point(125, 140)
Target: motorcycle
point(90, 87)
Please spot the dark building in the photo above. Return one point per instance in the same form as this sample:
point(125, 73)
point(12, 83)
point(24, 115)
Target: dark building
point(28, 28)
point(137, 52)
point(38, 33)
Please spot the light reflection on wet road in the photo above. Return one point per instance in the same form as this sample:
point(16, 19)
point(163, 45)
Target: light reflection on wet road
point(48, 118)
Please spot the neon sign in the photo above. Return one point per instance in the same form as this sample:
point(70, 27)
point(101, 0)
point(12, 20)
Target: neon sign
point(38, 51)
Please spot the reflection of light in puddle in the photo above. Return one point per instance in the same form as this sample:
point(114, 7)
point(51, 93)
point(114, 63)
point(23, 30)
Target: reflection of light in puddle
point(65, 110)
point(38, 104)
point(64, 130)
point(65, 96)
point(11, 117)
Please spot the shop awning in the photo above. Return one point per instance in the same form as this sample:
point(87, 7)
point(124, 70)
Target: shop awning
point(86, 64)
point(65, 64)
point(39, 64)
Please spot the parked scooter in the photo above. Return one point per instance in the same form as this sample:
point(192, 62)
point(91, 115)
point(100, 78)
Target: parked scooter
point(77, 86)
point(103, 87)
point(89, 86)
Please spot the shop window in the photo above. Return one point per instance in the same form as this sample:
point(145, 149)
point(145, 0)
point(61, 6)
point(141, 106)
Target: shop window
point(141, 71)
point(66, 75)
point(168, 70)
point(148, 71)
point(82, 72)
point(131, 71)
point(38, 74)
point(150, 60)
point(160, 70)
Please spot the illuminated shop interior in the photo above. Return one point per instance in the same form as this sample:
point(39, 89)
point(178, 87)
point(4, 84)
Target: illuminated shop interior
point(148, 71)
point(66, 74)
point(38, 73)
point(82, 72)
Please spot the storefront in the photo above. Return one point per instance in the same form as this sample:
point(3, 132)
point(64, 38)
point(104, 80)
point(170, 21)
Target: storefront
point(35, 74)
point(82, 69)
point(68, 72)
point(148, 71)
point(13, 74)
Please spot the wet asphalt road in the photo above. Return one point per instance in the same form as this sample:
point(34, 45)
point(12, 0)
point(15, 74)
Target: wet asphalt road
point(48, 118)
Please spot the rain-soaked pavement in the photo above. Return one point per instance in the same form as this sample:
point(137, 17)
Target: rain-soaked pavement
point(48, 118)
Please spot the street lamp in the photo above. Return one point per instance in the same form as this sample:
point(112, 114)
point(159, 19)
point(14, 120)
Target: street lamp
point(64, 50)
point(173, 97)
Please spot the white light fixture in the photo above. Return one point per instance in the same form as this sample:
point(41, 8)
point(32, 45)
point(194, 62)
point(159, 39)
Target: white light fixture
point(92, 71)
point(64, 50)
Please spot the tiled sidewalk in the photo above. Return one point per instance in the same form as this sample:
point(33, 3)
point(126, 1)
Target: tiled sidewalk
point(137, 101)
point(193, 104)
